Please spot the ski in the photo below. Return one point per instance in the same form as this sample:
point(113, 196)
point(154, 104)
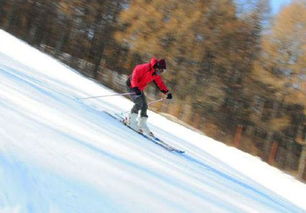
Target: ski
point(153, 139)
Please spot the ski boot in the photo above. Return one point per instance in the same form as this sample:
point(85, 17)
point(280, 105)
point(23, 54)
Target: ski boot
point(143, 128)
point(131, 121)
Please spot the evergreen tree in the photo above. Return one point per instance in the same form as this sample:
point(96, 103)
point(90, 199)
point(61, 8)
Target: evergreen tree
point(281, 70)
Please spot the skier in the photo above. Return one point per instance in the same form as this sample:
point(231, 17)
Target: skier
point(142, 75)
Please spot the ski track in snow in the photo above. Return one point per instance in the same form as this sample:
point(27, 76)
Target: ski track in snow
point(59, 153)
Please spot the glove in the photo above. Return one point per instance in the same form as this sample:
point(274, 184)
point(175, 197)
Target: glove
point(136, 90)
point(169, 96)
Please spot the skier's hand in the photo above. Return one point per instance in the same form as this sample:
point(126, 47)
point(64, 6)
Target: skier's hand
point(137, 91)
point(169, 96)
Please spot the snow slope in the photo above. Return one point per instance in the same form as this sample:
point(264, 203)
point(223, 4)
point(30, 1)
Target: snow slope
point(61, 154)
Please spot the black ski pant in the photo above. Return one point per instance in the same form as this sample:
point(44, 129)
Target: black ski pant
point(140, 103)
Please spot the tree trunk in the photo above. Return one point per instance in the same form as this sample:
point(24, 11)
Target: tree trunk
point(237, 138)
point(65, 34)
point(267, 146)
point(273, 153)
point(268, 141)
point(97, 62)
point(2, 12)
point(302, 163)
point(11, 17)
point(290, 158)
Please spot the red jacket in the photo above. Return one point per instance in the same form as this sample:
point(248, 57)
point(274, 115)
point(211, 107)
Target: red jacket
point(143, 74)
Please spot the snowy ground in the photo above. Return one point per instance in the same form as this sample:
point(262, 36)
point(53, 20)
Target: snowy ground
point(60, 154)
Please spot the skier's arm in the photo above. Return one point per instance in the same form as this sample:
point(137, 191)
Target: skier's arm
point(162, 87)
point(160, 84)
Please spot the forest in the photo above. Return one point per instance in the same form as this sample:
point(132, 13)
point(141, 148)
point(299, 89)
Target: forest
point(237, 73)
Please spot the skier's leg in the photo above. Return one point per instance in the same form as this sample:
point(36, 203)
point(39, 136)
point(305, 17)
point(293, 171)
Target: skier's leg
point(133, 115)
point(143, 126)
point(132, 121)
point(138, 103)
point(144, 117)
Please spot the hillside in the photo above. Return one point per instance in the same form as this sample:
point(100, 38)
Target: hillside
point(62, 154)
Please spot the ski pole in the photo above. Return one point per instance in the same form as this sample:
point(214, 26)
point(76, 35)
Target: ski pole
point(152, 102)
point(158, 100)
point(103, 96)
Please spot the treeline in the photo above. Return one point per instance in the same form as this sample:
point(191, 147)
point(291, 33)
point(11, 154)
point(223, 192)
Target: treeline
point(235, 74)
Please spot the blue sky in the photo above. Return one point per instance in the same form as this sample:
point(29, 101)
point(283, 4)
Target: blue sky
point(276, 5)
